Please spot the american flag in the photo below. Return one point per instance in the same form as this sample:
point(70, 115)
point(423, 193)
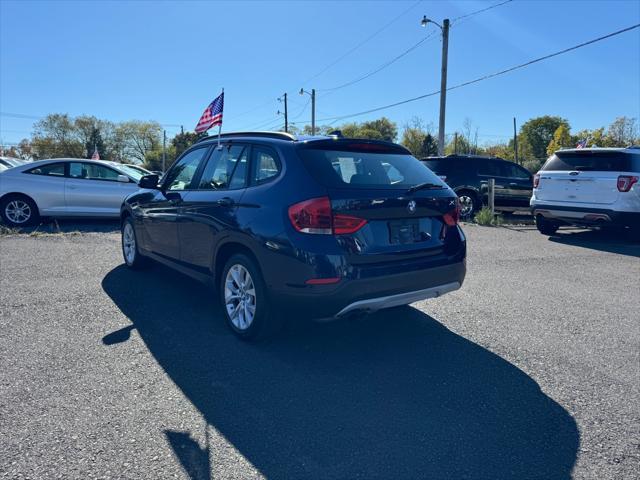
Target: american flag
point(582, 143)
point(212, 115)
point(96, 155)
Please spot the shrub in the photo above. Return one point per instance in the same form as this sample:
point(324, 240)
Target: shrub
point(485, 217)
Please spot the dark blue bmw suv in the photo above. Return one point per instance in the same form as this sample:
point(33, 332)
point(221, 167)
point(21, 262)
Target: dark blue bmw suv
point(285, 226)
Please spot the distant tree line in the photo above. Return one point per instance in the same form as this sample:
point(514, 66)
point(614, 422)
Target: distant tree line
point(59, 135)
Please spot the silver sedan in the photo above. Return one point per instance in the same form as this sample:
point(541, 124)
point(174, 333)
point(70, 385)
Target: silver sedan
point(64, 187)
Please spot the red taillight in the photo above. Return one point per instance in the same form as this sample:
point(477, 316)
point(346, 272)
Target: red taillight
point(625, 182)
point(536, 180)
point(452, 217)
point(315, 216)
point(344, 224)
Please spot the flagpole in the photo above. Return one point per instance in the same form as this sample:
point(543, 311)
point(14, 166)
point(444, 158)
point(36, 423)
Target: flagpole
point(220, 126)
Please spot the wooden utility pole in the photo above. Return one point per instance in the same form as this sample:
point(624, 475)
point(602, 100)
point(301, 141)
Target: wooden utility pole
point(164, 150)
point(515, 140)
point(313, 111)
point(286, 114)
point(443, 85)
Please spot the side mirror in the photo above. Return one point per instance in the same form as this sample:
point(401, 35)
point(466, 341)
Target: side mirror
point(149, 181)
point(123, 179)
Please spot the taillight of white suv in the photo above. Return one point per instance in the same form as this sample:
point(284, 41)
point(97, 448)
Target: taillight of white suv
point(625, 182)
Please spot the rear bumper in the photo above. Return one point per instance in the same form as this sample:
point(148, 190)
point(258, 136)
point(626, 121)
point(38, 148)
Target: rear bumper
point(586, 216)
point(371, 294)
point(379, 303)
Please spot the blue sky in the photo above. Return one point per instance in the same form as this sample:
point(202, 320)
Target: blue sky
point(165, 61)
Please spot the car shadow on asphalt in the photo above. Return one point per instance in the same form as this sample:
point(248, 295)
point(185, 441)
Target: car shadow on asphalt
point(606, 241)
point(67, 225)
point(392, 395)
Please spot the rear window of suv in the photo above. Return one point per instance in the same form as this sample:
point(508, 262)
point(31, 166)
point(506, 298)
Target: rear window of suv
point(369, 167)
point(589, 160)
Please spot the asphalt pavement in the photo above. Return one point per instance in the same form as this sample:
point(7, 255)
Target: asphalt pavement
point(530, 371)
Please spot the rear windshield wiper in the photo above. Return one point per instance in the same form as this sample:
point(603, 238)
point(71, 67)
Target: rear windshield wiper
point(422, 186)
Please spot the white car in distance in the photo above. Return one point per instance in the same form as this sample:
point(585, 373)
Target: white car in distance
point(588, 187)
point(64, 187)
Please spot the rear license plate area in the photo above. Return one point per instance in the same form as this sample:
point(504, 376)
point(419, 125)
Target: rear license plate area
point(404, 231)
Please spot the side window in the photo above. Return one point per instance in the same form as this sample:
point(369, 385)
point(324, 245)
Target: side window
point(266, 164)
point(488, 168)
point(514, 171)
point(182, 172)
point(92, 171)
point(226, 169)
point(50, 169)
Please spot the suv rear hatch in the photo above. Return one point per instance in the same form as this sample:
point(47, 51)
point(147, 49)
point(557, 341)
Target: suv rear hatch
point(582, 176)
point(386, 205)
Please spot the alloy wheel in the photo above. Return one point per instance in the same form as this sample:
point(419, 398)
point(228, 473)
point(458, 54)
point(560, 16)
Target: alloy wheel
point(129, 243)
point(18, 211)
point(466, 205)
point(240, 297)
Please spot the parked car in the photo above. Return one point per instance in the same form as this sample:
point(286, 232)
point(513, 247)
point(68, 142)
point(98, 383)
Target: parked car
point(468, 176)
point(64, 188)
point(293, 226)
point(143, 171)
point(9, 162)
point(591, 187)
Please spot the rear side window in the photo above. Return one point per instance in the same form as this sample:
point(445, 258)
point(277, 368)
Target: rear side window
point(511, 170)
point(437, 166)
point(50, 169)
point(266, 164)
point(366, 169)
point(589, 160)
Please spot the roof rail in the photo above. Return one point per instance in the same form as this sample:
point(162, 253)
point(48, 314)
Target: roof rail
point(276, 135)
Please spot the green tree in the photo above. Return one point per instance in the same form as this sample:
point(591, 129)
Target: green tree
point(501, 150)
point(623, 132)
point(561, 138)
point(183, 141)
point(457, 145)
point(138, 138)
point(429, 146)
point(381, 129)
point(55, 137)
point(536, 134)
point(90, 132)
point(414, 136)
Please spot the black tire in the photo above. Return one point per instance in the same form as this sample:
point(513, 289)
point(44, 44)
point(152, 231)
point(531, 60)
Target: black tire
point(264, 322)
point(132, 256)
point(546, 227)
point(469, 203)
point(11, 204)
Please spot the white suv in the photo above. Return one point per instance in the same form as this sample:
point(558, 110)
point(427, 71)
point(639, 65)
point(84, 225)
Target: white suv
point(591, 187)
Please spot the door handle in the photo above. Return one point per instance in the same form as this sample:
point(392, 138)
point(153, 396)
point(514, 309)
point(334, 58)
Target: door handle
point(225, 202)
point(513, 184)
point(71, 187)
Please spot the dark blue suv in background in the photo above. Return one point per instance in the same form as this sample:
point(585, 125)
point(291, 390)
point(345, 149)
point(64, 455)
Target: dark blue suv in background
point(286, 227)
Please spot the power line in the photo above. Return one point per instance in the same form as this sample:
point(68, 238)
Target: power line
point(34, 117)
point(457, 19)
point(356, 47)
point(406, 52)
point(303, 109)
point(381, 67)
point(485, 77)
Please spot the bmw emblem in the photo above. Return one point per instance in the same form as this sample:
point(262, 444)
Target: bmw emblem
point(411, 206)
